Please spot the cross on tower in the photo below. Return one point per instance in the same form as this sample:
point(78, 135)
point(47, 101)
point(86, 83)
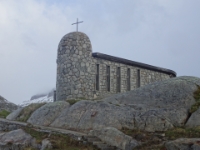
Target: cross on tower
point(77, 24)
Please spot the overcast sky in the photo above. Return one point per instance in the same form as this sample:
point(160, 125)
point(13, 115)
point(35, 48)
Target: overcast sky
point(162, 33)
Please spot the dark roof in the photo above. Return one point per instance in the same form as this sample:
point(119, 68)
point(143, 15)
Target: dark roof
point(133, 63)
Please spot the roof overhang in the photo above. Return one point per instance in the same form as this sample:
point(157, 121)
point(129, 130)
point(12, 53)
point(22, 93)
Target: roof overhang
point(134, 63)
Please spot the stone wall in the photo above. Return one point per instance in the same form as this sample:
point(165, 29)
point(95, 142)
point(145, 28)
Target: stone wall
point(76, 71)
point(74, 67)
point(146, 76)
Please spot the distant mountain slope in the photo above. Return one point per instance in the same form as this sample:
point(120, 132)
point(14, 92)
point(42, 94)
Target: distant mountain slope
point(6, 105)
point(39, 98)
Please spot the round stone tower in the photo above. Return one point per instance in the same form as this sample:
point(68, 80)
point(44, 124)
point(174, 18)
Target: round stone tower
point(74, 63)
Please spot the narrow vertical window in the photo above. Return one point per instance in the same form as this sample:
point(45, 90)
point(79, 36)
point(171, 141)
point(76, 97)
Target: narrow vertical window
point(97, 76)
point(138, 78)
point(118, 79)
point(128, 79)
point(108, 77)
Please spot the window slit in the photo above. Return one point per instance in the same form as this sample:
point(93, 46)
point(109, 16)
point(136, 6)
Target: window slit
point(128, 79)
point(118, 80)
point(108, 77)
point(138, 78)
point(97, 77)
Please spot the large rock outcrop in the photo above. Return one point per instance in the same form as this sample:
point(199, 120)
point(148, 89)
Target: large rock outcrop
point(86, 115)
point(46, 114)
point(116, 138)
point(156, 107)
point(168, 94)
point(14, 114)
point(184, 144)
point(6, 105)
point(194, 120)
point(16, 140)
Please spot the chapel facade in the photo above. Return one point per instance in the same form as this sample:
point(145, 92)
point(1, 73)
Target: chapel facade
point(82, 74)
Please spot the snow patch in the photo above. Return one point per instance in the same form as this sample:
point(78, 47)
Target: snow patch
point(44, 99)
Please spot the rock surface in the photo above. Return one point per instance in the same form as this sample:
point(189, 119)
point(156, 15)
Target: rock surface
point(47, 113)
point(6, 105)
point(155, 107)
point(115, 137)
point(46, 144)
point(86, 115)
point(16, 140)
point(194, 120)
point(184, 144)
point(170, 99)
point(165, 94)
point(14, 114)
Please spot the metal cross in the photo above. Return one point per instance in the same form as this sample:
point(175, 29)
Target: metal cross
point(77, 24)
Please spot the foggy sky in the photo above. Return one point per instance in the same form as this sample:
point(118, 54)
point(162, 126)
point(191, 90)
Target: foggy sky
point(163, 33)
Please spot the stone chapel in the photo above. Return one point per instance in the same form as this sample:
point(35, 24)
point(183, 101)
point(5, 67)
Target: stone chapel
point(82, 74)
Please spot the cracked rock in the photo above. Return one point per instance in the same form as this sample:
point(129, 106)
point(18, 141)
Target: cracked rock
point(115, 137)
point(47, 113)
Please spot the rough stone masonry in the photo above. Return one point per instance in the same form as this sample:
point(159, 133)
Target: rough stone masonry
point(82, 74)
